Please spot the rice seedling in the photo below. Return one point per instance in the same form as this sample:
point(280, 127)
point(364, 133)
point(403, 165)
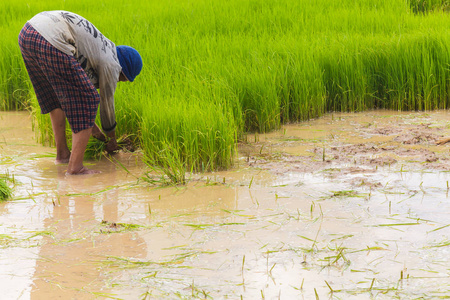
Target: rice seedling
point(396, 224)
point(345, 193)
point(170, 167)
point(439, 228)
point(95, 149)
point(331, 289)
point(113, 227)
point(236, 213)
point(5, 189)
point(421, 6)
point(6, 240)
point(251, 182)
point(444, 243)
point(204, 226)
point(175, 261)
point(25, 241)
point(41, 233)
point(242, 269)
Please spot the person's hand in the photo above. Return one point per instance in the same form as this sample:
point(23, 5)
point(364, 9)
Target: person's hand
point(112, 146)
point(98, 134)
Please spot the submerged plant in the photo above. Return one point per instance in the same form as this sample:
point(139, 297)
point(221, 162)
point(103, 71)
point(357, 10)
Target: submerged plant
point(112, 227)
point(345, 193)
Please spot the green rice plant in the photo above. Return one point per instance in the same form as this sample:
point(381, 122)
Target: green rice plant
point(112, 227)
point(188, 136)
point(257, 94)
point(410, 75)
point(424, 6)
point(5, 189)
point(15, 89)
point(301, 89)
point(344, 80)
point(94, 149)
point(168, 164)
point(41, 124)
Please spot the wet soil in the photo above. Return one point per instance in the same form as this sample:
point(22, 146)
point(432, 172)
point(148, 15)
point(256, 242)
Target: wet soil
point(348, 206)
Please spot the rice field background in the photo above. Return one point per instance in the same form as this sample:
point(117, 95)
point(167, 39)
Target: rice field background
point(216, 70)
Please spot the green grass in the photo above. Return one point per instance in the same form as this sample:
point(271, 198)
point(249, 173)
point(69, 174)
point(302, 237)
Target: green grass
point(5, 189)
point(214, 70)
point(425, 6)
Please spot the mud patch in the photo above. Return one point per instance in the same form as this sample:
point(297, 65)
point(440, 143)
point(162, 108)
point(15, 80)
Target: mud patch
point(384, 131)
point(364, 182)
point(353, 141)
point(415, 137)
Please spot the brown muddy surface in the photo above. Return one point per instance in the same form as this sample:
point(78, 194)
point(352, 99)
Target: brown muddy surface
point(348, 206)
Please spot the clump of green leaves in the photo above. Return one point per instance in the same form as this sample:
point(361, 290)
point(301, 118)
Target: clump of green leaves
point(169, 165)
point(345, 193)
point(5, 190)
point(95, 148)
point(112, 227)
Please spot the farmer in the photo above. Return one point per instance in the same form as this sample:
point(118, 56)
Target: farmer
point(68, 59)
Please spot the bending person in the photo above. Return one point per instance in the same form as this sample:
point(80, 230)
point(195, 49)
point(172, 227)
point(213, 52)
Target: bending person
point(68, 59)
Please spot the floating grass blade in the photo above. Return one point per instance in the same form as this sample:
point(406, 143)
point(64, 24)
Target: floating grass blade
point(371, 285)
point(331, 289)
point(251, 182)
point(396, 224)
point(439, 228)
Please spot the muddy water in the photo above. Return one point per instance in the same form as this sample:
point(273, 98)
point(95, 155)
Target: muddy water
point(349, 206)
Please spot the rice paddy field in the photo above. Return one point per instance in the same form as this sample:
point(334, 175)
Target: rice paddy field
point(215, 70)
point(284, 150)
point(348, 206)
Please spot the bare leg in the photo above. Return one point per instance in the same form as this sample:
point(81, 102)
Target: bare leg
point(58, 118)
point(79, 143)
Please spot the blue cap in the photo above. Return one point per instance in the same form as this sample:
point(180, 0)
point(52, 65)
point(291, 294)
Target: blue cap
point(130, 60)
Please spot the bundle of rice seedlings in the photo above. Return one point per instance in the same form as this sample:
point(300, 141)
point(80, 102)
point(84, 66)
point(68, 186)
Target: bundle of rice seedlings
point(5, 190)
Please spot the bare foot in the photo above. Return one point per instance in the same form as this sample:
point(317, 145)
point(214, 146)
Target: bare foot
point(83, 171)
